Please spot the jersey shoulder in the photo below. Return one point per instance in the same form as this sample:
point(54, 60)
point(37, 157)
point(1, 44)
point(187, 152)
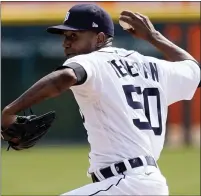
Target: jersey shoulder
point(78, 59)
point(106, 51)
point(118, 51)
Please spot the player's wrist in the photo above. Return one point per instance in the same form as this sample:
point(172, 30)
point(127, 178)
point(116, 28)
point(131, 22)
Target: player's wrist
point(155, 37)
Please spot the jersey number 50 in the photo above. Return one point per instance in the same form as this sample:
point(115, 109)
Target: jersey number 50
point(147, 92)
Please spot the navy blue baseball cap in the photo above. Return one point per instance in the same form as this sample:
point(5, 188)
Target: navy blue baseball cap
point(85, 17)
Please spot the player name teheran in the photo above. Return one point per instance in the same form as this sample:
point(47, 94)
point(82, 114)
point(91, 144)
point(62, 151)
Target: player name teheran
point(123, 68)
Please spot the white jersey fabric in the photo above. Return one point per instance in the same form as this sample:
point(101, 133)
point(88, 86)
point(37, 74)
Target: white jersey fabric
point(125, 99)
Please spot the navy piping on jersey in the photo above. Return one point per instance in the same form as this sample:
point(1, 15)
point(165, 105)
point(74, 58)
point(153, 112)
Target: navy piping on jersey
point(129, 54)
point(105, 51)
point(109, 186)
point(116, 53)
point(78, 70)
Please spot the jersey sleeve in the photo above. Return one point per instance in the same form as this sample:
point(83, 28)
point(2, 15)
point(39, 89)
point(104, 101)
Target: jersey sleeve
point(83, 68)
point(179, 79)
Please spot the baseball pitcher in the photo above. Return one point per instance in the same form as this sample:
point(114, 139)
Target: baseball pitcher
point(123, 98)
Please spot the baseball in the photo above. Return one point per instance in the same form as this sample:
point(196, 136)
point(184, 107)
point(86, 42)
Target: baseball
point(125, 25)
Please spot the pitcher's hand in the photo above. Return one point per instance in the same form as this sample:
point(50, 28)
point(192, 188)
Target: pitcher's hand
point(7, 119)
point(142, 26)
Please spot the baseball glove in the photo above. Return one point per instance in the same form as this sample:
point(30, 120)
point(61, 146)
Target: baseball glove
point(27, 130)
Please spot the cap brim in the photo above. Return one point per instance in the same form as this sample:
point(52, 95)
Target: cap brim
point(59, 29)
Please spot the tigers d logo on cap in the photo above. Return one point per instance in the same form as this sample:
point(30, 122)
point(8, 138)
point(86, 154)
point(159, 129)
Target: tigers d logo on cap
point(85, 17)
point(67, 16)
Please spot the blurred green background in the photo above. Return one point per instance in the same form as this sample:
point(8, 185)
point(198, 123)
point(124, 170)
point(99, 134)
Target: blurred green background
point(53, 170)
point(59, 163)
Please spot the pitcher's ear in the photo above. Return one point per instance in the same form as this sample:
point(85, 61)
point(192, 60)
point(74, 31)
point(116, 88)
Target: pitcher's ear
point(101, 38)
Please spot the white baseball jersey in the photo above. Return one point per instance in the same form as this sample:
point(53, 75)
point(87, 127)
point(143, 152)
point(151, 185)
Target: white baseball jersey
point(124, 101)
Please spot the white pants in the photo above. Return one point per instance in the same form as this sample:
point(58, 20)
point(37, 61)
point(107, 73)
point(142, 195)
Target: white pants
point(144, 180)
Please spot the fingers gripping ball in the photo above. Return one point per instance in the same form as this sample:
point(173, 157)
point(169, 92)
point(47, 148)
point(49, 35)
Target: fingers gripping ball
point(27, 130)
point(125, 25)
